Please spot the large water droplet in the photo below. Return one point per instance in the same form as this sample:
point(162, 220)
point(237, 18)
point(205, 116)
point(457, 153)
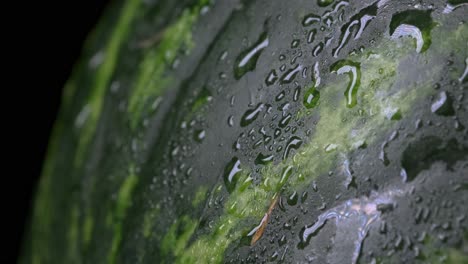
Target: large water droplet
point(442, 105)
point(415, 23)
point(247, 60)
point(250, 115)
point(353, 70)
point(293, 143)
point(353, 220)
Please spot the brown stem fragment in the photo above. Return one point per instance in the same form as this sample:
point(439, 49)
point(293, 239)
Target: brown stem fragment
point(261, 227)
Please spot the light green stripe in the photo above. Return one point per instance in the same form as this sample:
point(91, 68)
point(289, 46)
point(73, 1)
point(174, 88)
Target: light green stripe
point(104, 73)
point(124, 199)
point(152, 80)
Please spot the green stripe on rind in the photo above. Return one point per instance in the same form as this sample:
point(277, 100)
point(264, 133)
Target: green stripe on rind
point(43, 214)
point(176, 239)
point(103, 75)
point(123, 202)
point(151, 81)
point(376, 98)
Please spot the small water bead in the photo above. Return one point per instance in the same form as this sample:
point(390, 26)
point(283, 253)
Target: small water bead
point(230, 121)
point(271, 78)
point(293, 198)
point(311, 35)
point(295, 43)
point(297, 93)
point(199, 135)
point(310, 19)
point(318, 49)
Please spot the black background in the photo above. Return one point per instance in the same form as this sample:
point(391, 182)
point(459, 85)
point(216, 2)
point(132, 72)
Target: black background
point(46, 39)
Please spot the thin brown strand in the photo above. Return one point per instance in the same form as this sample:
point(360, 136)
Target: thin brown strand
point(261, 229)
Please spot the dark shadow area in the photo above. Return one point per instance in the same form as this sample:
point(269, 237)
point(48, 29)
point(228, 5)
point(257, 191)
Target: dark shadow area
point(47, 40)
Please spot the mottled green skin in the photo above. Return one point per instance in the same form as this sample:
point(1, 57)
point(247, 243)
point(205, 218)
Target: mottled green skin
point(125, 181)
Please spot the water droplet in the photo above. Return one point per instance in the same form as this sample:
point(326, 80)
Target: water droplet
point(318, 49)
point(442, 105)
point(311, 98)
point(277, 132)
point(231, 174)
point(285, 120)
point(285, 176)
point(230, 121)
point(293, 143)
point(383, 154)
point(96, 60)
point(247, 60)
point(316, 76)
point(293, 198)
point(82, 116)
point(271, 78)
point(353, 220)
point(251, 114)
point(353, 70)
point(274, 256)
point(263, 159)
point(310, 19)
point(415, 23)
point(463, 78)
point(330, 148)
point(280, 96)
point(295, 43)
point(311, 35)
point(348, 173)
point(199, 135)
point(297, 93)
point(323, 3)
point(328, 21)
point(290, 75)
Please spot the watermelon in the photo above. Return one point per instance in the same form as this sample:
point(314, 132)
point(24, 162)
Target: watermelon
point(201, 131)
